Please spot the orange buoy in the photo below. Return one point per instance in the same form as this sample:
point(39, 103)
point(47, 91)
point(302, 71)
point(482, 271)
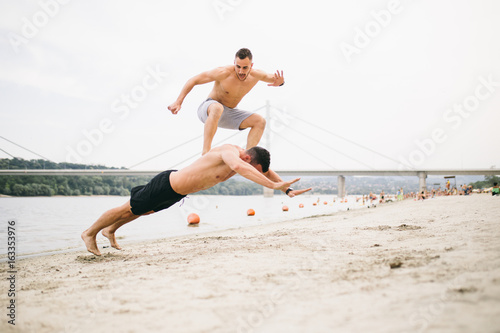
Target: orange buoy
point(250, 212)
point(285, 208)
point(193, 218)
point(325, 202)
point(314, 204)
point(301, 205)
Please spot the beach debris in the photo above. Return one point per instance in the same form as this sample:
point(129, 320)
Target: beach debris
point(250, 212)
point(396, 263)
point(465, 290)
point(408, 227)
point(193, 218)
point(301, 205)
point(285, 208)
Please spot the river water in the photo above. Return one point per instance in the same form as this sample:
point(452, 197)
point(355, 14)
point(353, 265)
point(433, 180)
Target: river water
point(46, 225)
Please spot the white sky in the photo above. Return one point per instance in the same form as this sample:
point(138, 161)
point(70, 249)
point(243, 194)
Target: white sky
point(73, 62)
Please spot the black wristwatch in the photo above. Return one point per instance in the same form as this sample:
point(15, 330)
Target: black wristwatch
point(288, 190)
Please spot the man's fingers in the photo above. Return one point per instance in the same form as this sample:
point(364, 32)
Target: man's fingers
point(298, 192)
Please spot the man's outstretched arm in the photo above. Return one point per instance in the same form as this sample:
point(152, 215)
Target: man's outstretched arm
point(205, 77)
point(276, 178)
point(230, 156)
point(277, 79)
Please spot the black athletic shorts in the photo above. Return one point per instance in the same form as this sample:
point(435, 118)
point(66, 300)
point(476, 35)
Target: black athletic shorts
point(155, 196)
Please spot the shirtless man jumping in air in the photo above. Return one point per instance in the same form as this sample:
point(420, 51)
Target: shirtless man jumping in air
point(169, 187)
point(232, 83)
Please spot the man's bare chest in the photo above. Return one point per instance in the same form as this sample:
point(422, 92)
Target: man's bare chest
point(232, 87)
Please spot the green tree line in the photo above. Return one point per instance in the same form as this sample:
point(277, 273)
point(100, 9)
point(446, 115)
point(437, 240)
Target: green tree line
point(487, 182)
point(91, 185)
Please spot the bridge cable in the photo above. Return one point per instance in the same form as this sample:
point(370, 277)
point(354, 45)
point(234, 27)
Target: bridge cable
point(166, 151)
point(330, 147)
point(182, 144)
point(45, 158)
point(306, 151)
point(7, 153)
point(343, 138)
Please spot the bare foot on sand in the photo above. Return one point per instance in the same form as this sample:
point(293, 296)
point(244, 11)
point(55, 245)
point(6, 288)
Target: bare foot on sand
point(90, 243)
point(111, 237)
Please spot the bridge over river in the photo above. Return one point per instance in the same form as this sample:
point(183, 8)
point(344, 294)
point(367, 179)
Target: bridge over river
point(341, 174)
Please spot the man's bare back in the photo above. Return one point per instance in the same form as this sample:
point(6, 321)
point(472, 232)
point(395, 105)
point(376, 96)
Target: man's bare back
point(209, 170)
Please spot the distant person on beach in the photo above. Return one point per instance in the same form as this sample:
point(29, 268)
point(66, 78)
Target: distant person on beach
point(400, 194)
point(495, 190)
point(169, 187)
point(231, 84)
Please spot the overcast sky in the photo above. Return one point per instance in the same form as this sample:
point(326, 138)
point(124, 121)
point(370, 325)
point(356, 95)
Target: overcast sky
point(369, 84)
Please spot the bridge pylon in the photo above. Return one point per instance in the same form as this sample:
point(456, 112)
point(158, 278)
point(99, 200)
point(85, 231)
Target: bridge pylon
point(268, 193)
point(341, 186)
point(422, 185)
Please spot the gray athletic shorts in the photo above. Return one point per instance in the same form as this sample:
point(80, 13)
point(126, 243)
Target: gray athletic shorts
point(231, 118)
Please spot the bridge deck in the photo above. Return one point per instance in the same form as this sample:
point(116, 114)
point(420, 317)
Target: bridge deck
point(120, 172)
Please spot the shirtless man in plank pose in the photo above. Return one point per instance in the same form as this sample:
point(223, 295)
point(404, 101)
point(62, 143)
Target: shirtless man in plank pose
point(231, 84)
point(169, 187)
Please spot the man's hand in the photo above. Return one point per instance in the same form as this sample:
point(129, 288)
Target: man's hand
point(282, 186)
point(293, 193)
point(279, 79)
point(174, 107)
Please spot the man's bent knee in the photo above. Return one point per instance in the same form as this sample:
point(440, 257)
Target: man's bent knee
point(261, 122)
point(215, 110)
point(254, 121)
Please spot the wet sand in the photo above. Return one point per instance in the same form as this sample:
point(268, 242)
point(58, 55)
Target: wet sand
point(411, 266)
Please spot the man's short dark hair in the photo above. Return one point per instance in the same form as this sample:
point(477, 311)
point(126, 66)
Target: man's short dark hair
point(260, 156)
point(243, 54)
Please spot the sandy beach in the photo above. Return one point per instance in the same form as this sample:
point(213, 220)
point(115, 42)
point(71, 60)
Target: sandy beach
point(411, 266)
